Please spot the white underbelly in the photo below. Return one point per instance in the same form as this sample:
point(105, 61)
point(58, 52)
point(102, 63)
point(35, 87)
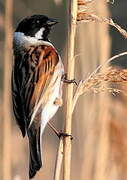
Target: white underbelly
point(51, 107)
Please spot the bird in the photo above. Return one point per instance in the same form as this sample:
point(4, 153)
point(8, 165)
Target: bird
point(36, 82)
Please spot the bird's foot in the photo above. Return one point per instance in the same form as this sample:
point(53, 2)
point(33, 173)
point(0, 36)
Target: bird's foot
point(63, 134)
point(59, 133)
point(65, 80)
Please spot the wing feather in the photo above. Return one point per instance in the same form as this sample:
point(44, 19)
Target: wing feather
point(31, 76)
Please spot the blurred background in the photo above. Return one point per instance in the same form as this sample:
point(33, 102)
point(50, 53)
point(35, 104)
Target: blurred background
point(99, 148)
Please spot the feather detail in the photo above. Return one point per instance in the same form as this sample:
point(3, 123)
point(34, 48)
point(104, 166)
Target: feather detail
point(36, 84)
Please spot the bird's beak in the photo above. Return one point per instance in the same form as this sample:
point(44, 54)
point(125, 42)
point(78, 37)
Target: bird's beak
point(52, 22)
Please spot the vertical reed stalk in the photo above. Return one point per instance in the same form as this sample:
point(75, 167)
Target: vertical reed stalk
point(69, 91)
point(7, 90)
point(59, 160)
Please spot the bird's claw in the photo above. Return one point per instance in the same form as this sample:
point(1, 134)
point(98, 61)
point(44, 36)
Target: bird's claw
point(63, 134)
point(65, 80)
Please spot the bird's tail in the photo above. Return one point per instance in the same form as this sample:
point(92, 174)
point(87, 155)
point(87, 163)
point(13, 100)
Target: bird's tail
point(35, 162)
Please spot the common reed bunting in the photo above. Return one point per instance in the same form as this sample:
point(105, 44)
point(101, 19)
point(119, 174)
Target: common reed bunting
point(36, 82)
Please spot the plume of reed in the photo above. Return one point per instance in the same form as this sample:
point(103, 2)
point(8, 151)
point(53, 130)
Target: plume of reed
point(96, 82)
point(84, 15)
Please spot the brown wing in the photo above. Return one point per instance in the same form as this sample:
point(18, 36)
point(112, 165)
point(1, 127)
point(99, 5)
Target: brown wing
point(33, 74)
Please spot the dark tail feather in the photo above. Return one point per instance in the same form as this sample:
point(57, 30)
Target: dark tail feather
point(35, 162)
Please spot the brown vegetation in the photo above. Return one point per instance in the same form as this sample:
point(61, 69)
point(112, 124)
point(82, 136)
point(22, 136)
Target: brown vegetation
point(98, 123)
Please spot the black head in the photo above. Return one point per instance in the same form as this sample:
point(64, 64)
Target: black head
point(38, 26)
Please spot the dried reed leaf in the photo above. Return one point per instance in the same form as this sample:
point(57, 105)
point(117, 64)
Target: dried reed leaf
point(81, 2)
point(84, 16)
point(84, 2)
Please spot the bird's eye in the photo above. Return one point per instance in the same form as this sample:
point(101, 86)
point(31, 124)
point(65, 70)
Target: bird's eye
point(37, 21)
